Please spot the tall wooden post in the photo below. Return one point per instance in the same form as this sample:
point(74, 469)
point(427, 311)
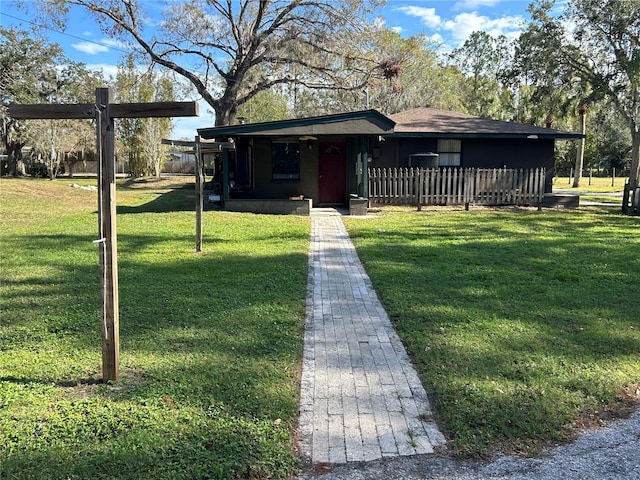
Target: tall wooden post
point(104, 112)
point(108, 238)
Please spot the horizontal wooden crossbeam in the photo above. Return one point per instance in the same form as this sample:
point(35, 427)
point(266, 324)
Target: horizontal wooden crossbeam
point(206, 146)
point(156, 109)
point(116, 110)
point(46, 111)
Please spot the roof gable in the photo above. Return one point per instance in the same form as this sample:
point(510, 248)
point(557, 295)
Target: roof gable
point(366, 122)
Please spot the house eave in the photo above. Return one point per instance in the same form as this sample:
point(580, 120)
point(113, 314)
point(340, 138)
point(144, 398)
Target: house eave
point(366, 122)
point(519, 136)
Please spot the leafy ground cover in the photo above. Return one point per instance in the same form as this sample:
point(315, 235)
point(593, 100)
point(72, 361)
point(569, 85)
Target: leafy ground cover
point(210, 343)
point(524, 325)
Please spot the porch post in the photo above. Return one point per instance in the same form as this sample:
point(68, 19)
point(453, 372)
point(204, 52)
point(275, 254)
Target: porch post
point(360, 190)
point(351, 163)
point(225, 174)
point(365, 168)
point(199, 193)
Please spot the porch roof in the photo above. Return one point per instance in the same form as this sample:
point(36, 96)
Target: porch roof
point(430, 122)
point(366, 122)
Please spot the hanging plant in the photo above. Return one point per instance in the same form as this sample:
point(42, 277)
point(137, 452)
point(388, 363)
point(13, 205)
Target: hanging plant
point(391, 69)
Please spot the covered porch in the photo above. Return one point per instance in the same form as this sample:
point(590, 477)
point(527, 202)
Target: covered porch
point(290, 166)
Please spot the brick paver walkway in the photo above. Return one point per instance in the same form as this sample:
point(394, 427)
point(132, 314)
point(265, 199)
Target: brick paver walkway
point(361, 399)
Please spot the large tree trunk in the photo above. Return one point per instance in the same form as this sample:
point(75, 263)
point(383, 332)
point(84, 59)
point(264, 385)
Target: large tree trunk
point(225, 113)
point(580, 154)
point(634, 171)
point(14, 153)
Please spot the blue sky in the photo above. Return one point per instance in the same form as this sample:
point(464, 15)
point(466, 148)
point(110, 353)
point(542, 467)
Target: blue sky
point(447, 22)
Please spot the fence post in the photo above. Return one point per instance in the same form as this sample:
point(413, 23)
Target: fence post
point(467, 187)
point(540, 187)
point(420, 179)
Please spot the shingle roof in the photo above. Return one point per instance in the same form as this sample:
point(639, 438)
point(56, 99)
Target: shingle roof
point(441, 123)
point(419, 122)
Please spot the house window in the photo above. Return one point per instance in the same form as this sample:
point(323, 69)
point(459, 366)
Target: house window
point(449, 152)
point(285, 160)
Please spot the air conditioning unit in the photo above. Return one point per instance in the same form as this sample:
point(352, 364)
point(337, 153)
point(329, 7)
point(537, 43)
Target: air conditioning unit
point(423, 160)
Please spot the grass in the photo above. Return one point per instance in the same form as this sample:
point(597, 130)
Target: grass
point(523, 325)
point(597, 184)
point(595, 187)
point(616, 201)
point(210, 343)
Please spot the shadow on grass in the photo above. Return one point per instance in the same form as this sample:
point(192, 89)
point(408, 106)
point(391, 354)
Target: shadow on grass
point(210, 346)
point(179, 199)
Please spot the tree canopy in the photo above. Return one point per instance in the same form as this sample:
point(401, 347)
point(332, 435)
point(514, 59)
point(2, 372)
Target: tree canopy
point(231, 51)
point(272, 59)
point(34, 71)
point(139, 140)
point(595, 47)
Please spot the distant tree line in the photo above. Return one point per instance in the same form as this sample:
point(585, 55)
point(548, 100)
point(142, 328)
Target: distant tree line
point(35, 71)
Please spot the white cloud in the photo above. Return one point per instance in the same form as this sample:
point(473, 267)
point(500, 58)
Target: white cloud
point(90, 48)
point(435, 39)
point(427, 16)
point(112, 42)
point(107, 70)
point(462, 25)
point(398, 30)
point(465, 5)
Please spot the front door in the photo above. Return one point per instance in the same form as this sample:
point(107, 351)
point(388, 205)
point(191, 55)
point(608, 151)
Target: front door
point(332, 188)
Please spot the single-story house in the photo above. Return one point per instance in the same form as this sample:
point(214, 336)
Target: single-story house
point(462, 140)
point(325, 158)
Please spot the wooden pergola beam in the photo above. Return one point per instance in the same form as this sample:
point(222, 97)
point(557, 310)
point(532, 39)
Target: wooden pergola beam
point(81, 111)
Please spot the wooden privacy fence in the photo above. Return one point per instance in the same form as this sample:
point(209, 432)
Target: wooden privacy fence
point(456, 186)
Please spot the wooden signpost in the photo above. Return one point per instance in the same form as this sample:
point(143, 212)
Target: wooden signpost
point(105, 112)
point(200, 148)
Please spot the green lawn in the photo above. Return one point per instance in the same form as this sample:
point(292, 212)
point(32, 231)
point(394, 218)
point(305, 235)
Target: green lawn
point(524, 325)
point(210, 343)
point(596, 184)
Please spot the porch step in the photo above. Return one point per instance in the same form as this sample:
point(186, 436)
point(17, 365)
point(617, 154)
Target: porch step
point(559, 200)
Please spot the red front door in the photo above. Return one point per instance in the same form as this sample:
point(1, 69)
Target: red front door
point(332, 186)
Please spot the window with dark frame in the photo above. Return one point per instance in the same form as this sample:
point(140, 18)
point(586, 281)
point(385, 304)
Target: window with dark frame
point(285, 160)
point(449, 151)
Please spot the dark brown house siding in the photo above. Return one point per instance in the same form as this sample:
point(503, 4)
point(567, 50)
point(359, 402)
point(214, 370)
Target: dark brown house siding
point(394, 152)
point(505, 153)
point(476, 153)
point(266, 187)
